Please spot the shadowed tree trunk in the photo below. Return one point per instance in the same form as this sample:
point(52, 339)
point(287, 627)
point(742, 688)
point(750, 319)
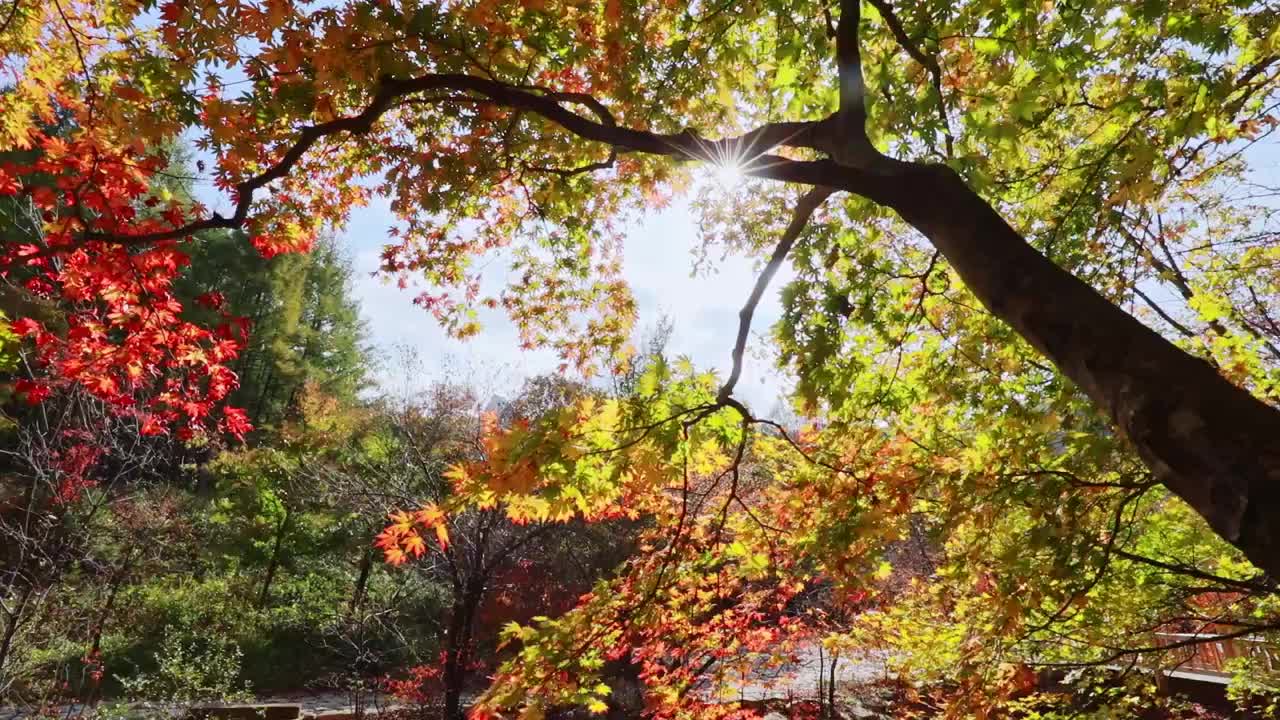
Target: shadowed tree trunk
point(362, 581)
point(831, 685)
point(1210, 442)
point(281, 530)
point(458, 647)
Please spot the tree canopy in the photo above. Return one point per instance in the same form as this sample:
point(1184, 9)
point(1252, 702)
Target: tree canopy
point(1031, 315)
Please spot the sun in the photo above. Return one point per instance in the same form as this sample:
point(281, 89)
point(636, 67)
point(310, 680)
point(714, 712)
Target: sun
point(729, 173)
point(732, 162)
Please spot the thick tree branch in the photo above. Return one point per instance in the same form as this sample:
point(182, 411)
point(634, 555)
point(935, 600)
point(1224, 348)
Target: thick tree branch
point(752, 146)
point(849, 60)
point(851, 146)
point(1122, 652)
point(1209, 441)
point(584, 99)
point(1258, 585)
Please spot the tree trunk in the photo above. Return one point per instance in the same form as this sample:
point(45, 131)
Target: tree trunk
point(94, 692)
point(453, 678)
point(822, 675)
point(274, 563)
point(264, 392)
point(831, 685)
point(1210, 442)
point(95, 645)
point(458, 650)
point(362, 581)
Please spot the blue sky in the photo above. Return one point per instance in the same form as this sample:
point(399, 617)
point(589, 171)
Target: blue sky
point(658, 265)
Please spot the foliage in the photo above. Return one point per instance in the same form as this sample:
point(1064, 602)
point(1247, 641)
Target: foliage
point(305, 327)
point(1069, 167)
point(191, 669)
point(8, 345)
point(121, 337)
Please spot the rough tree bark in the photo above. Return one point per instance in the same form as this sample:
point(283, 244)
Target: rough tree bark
point(1210, 442)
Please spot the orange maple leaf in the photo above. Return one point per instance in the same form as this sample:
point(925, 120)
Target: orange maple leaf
point(414, 545)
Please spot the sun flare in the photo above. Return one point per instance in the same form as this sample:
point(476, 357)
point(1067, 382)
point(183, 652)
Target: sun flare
point(729, 173)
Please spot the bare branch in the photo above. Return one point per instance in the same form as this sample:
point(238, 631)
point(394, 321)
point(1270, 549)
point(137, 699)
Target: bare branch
point(13, 10)
point(1169, 271)
point(581, 169)
point(1186, 331)
point(808, 203)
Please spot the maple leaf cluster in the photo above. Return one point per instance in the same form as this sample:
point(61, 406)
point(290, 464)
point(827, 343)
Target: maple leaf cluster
point(120, 332)
point(401, 540)
point(692, 621)
point(421, 685)
point(709, 600)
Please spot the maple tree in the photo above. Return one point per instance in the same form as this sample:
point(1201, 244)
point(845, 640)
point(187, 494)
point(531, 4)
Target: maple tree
point(487, 563)
point(123, 338)
point(353, 465)
point(973, 188)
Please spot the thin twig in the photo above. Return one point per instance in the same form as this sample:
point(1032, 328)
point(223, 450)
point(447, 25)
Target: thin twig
point(13, 11)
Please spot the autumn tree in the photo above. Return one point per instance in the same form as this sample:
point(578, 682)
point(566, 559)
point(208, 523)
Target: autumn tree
point(495, 570)
point(1028, 298)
